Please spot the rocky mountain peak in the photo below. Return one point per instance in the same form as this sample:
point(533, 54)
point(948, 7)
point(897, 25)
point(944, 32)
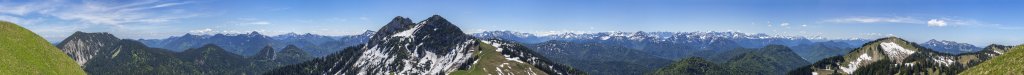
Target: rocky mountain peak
point(397, 24)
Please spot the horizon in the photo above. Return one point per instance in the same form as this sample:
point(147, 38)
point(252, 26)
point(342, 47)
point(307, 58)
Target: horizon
point(977, 23)
point(538, 35)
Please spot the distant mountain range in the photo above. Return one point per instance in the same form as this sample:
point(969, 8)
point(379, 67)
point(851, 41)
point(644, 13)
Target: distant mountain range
point(249, 44)
point(950, 46)
point(677, 45)
point(104, 54)
point(668, 45)
point(436, 46)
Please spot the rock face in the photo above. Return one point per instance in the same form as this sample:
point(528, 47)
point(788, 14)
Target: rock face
point(896, 56)
point(83, 46)
point(22, 52)
point(432, 46)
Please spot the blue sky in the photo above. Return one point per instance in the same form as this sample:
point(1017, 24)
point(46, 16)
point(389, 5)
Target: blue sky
point(971, 21)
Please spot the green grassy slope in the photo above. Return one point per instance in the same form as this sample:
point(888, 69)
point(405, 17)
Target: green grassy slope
point(490, 62)
point(22, 52)
point(1010, 63)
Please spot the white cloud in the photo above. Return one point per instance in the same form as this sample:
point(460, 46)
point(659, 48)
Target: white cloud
point(364, 17)
point(201, 31)
point(546, 33)
point(932, 22)
point(18, 20)
point(169, 4)
point(99, 12)
point(784, 24)
point(257, 23)
point(873, 20)
point(936, 22)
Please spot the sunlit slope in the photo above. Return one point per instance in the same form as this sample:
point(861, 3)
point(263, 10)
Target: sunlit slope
point(22, 52)
point(1011, 63)
point(491, 62)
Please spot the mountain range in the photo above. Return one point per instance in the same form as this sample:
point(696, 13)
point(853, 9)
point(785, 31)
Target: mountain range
point(437, 46)
point(105, 54)
point(677, 45)
point(951, 47)
point(249, 44)
point(432, 46)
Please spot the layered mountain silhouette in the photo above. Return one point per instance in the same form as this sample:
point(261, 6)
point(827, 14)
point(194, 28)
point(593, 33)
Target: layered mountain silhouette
point(104, 54)
point(677, 45)
point(250, 44)
point(431, 46)
point(950, 47)
point(437, 46)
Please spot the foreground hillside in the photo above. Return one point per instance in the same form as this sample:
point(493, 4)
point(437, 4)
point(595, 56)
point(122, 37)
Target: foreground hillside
point(772, 59)
point(893, 55)
point(600, 59)
point(1010, 63)
point(22, 52)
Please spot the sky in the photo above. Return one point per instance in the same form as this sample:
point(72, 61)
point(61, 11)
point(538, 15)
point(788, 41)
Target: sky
point(978, 22)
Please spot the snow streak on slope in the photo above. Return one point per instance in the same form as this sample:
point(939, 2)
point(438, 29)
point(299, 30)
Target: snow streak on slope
point(392, 59)
point(849, 68)
point(895, 51)
point(408, 33)
point(943, 60)
point(499, 46)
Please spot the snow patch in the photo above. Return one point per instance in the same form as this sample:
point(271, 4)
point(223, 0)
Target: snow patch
point(849, 68)
point(408, 33)
point(944, 61)
point(116, 51)
point(895, 51)
point(498, 47)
